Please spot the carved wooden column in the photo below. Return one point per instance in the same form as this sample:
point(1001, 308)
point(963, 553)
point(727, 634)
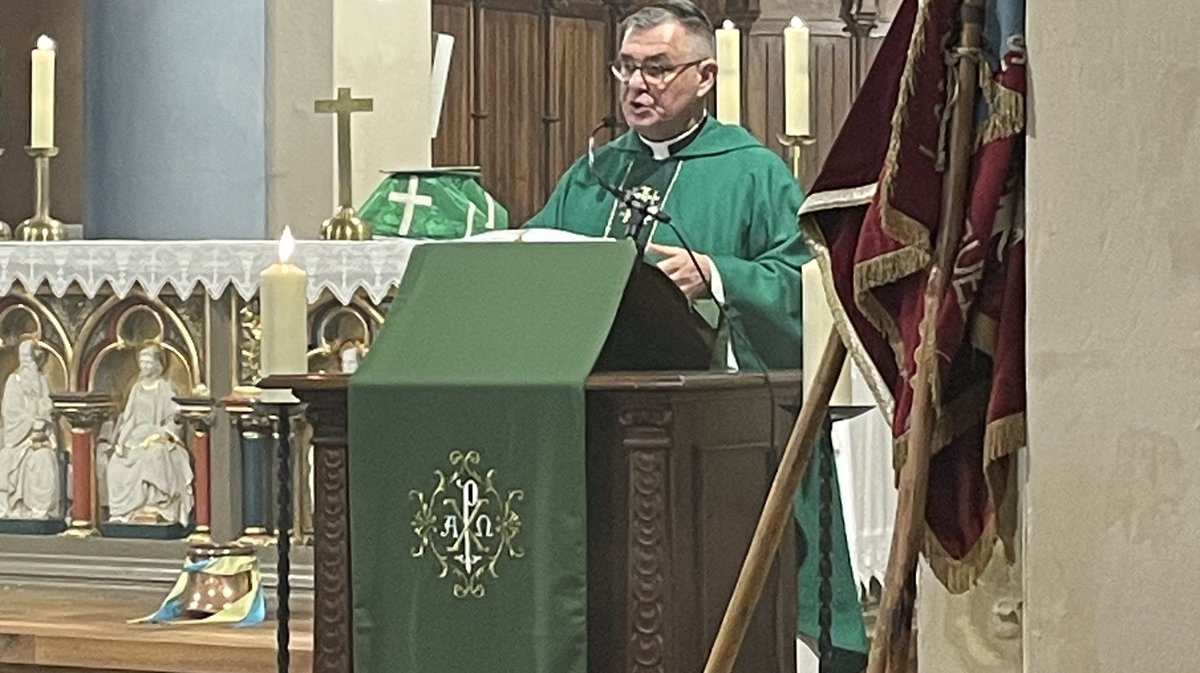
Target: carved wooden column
point(333, 631)
point(197, 412)
point(85, 412)
point(646, 437)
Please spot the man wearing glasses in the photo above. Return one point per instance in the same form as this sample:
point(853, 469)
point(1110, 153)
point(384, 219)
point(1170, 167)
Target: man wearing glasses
point(733, 200)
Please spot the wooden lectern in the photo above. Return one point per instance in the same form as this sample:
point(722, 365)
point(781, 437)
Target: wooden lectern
point(678, 465)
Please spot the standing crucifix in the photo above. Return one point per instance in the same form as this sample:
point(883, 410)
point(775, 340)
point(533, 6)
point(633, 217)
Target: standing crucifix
point(344, 225)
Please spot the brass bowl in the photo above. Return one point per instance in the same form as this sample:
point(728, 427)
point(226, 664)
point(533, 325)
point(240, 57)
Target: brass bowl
point(206, 594)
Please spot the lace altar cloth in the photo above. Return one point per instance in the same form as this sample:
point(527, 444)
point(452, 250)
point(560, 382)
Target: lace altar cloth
point(341, 267)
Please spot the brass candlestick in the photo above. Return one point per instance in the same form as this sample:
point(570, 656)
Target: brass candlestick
point(41, 227)
point(5, 230)
point(796, 145)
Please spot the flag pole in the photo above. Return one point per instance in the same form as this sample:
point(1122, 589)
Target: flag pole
point(777, 512)
point(891, 642)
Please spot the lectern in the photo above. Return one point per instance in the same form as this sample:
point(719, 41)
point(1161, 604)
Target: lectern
point(677, 461)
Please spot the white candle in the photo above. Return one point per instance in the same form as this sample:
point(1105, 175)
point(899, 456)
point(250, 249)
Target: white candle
point(41, 99)
point(729, 71)
point(283, 307)
point(441, 72)
point(818, 323)
point(796, 79)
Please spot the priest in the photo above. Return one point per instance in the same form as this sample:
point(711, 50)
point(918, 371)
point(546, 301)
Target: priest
point(732, 199)
point(735, 204)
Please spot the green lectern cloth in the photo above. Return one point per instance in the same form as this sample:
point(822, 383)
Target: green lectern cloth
point(467, 507)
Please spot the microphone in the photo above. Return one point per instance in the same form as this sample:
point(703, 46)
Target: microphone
point(642, 211)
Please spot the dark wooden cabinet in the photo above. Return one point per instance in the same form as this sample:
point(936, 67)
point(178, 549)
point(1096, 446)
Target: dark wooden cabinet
point(678, 467)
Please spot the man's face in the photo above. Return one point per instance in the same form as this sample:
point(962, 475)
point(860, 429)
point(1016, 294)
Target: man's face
point(661, 109)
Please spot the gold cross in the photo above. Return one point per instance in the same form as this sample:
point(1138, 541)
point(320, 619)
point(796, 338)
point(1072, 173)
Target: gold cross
point(344, 106)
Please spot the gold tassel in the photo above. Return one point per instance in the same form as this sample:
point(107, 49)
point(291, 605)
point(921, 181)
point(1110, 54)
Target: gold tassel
point(1006, 109)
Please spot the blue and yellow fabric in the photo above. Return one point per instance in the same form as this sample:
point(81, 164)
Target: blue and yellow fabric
point(196, 599)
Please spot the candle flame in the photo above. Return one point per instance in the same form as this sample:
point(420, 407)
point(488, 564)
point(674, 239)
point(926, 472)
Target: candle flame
point(287, 245)
point(727, 25)
point(796, 22)
point(44, 42)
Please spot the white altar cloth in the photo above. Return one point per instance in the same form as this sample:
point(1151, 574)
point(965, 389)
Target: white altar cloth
point(341, 267)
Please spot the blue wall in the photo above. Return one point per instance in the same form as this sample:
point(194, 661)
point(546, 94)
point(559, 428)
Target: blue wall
point(174, 113)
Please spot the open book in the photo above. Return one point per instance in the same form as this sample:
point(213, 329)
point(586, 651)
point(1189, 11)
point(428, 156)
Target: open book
point(532, 236)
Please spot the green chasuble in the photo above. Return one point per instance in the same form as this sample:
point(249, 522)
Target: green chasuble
point(732, 199)
point(735, 201)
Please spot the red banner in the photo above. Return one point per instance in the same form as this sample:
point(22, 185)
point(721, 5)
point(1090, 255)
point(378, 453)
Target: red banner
point(872, 218)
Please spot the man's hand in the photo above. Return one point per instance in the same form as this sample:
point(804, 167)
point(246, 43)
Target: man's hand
point(679, 268)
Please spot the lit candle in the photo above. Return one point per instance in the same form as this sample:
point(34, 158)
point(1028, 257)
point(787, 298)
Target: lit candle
point(729, 71)
point(795, 79)
point(818, 323)
point(283, 302)
point(41, 99)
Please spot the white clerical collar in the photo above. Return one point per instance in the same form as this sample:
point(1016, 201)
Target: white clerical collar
point(662, 149)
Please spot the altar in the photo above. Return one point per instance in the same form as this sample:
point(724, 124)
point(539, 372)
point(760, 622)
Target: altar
point(79, 315)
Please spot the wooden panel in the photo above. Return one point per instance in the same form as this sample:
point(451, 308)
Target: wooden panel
point(579, 92)
point(454, 144)
point(511, 133)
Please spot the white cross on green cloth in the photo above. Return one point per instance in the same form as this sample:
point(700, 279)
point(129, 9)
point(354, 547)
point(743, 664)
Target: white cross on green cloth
point(411, 199)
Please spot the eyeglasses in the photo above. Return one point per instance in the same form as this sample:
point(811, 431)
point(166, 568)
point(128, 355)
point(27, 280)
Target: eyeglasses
point(654, 74)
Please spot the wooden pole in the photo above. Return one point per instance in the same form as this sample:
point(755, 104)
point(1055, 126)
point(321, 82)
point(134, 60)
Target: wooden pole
point(777, 512)
point(891, 643)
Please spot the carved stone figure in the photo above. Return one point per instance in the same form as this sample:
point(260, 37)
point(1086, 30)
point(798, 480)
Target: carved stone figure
point(149, 472)
point(29, 472)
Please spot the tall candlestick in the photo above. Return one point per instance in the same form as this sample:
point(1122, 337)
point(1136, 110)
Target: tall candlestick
point(283, 306)
point(729, 73)
point(796, 79)
point(41, 99)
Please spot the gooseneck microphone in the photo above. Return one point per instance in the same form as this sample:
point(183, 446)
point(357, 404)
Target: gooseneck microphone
point(642, 212)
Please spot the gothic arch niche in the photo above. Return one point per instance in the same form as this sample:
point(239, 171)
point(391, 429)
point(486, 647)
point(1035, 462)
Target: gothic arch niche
point(335, 329)
point(27, 318)
point(118, 330)
point(39, 451)
point(112, 340)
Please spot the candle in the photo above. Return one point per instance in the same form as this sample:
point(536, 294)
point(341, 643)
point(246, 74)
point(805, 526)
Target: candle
point(818, 323)
point(795, 79)
point(441, 72)
point(41, 99)
point(283, 305)
point(729, 69)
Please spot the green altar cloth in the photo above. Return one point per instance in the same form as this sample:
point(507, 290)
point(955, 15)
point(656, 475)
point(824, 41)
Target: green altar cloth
point(467, 512)
point(436, 203)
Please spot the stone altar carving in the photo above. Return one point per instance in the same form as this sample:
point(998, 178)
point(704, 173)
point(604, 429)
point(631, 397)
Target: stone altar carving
point(149, 474)
point(30, 477)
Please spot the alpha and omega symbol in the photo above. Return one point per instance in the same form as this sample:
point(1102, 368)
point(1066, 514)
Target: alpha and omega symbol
point(466, 524)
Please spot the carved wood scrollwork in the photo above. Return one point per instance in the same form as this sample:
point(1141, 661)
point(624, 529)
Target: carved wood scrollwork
point(646, 436)
point(333, 630)
point(332, 633)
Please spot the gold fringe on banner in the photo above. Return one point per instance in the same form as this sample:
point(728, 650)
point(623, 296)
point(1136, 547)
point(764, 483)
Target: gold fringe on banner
point(1006, 109)
point(959, 575)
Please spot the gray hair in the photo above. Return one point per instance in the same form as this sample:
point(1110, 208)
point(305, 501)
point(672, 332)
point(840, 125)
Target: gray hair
point(693, 19)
